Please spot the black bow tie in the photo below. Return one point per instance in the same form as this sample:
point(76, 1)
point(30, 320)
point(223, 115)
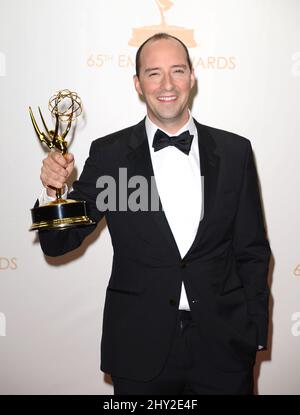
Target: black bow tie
point(182, 141)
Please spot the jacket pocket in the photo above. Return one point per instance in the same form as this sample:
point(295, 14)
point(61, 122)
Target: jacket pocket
point(123, 291)
point(126, 279)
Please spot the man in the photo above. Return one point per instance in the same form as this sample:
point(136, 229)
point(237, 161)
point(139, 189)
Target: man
point(187, 301)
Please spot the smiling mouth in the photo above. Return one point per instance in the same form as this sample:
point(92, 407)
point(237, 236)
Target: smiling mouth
point(167, 98)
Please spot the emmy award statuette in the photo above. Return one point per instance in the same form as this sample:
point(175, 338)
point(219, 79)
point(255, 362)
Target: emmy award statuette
point(65, 107)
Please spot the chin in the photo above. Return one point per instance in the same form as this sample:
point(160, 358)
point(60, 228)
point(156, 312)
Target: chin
point(169, 115)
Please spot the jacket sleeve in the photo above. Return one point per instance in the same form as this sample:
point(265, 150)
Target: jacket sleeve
point(58, 242)
point(251, 248)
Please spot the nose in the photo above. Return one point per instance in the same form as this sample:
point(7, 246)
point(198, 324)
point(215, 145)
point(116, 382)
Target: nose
point(167, 82)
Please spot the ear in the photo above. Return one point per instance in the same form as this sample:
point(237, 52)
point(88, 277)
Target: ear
point(193, 78)
point(137, 85)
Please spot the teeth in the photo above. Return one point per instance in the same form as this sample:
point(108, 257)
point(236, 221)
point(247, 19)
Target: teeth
point(166, 98)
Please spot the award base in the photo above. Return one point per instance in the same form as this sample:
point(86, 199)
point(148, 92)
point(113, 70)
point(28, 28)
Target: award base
point(59, 215)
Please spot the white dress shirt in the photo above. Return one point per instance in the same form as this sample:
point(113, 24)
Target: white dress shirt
point(178, 181)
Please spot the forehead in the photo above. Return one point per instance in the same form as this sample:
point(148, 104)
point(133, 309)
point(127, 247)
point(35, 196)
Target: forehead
point(163, 50)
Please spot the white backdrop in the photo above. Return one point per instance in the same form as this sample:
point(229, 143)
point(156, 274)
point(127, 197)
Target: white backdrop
point(247, 61)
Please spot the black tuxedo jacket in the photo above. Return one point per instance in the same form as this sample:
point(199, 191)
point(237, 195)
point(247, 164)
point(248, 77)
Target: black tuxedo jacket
point(224, 272)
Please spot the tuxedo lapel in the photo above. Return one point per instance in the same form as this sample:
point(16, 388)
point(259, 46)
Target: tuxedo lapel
point(140, 163)
point(209, 170)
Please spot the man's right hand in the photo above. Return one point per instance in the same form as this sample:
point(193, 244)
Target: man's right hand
point(55, 171)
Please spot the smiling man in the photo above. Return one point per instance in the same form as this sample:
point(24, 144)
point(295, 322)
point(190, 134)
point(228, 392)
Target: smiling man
point(165, 79)
point(187, 302)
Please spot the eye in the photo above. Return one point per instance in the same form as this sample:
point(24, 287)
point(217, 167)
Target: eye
point(179, 71)
point(153, 74)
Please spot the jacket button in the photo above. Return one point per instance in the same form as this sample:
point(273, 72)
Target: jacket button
point(183, 264)
point(172, 302)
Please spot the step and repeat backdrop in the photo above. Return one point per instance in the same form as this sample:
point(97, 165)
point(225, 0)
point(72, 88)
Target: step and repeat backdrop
point(246, 56)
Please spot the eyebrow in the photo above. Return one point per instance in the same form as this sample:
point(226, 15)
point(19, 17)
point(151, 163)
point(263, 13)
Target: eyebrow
point(183, 66)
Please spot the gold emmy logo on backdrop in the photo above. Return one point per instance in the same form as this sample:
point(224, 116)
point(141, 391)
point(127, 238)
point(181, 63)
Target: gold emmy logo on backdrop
point(140, 34)
point(65, 107)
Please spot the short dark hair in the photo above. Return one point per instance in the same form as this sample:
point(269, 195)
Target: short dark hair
point(159, 36)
